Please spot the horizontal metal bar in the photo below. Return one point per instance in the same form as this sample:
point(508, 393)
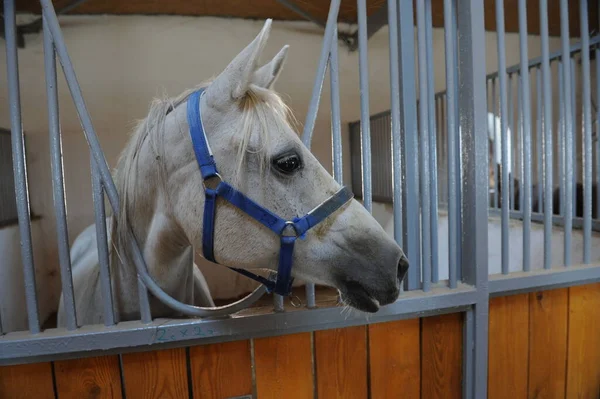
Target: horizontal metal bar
point(543, 279)
point(557, 220)
point(52, 343)
point(535, 62)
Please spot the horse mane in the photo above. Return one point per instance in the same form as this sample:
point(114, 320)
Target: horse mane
point(256, 106)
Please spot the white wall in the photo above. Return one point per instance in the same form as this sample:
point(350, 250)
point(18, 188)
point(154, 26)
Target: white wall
point(123, 61)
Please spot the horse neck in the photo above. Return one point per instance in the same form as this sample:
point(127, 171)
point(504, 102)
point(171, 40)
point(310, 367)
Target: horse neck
point(168, 254)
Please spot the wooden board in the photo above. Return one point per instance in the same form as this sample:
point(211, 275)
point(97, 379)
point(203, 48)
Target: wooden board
point(221, 370)
point(26, 381)
point(395, 359)
point(341, 363)
point(583, 364)
point(284, 367)
point(93, 377)
point(548, 343)
point(441, 356)
point(157, 374)
point(508, 347)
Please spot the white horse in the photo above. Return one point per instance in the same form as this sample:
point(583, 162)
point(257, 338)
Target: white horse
point(162, 199)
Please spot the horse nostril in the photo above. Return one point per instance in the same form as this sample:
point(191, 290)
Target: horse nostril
point(402, 268)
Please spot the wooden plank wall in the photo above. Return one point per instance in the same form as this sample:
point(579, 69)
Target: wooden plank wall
point(542, 345)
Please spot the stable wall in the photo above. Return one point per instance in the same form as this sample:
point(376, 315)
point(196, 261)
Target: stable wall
point(122, 62)
point(541, 345)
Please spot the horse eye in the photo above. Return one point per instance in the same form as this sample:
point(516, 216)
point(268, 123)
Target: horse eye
point(288, 164)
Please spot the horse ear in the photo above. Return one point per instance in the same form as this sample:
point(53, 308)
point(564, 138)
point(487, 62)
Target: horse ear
point(233, 82)
point(266, 76)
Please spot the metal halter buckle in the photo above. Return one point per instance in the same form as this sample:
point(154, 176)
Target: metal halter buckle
point(289, 230)
point(213, 182)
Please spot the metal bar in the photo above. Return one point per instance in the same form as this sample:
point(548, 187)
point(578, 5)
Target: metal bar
point(543, 279)
point(18, 346)
point(597, 58)
point(433, 143)
point(313, 107)
point(468, 370)
point(539, 139)
point(519, 133)
point(556, 220)
point(71, 78)
point(561, 138)
point(573, 96)
point(526, 135)
point(102, 245)
point(58, 185)
point(408, 115)
point(495, 154)
point(587, 130)
point(547, 106)
point(395, 120)
point(336, 126)
point(424, 144)
point(145, 313)
point(535, 62)
point(19, 165)
point(511, 128)
point(301, 12)
point(503, 127)
point(568, 135)
point(474, 238)
point(278, 303)
point(459, 177)
point(365, 120)
point(453, 217)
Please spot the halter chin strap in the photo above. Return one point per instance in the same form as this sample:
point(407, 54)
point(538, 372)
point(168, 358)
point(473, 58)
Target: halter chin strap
point(214, 187)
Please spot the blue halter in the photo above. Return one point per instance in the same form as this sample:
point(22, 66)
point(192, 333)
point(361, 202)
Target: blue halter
point(288, 231)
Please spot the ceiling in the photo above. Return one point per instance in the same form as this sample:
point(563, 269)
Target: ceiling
point(261, 9)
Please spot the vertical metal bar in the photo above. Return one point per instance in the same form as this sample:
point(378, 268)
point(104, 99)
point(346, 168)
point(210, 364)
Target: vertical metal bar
point(433, 143)
point(495, 154)
point(568, 125)
point(526, 112)
point(278, 303)
point(510, 132)
point(443, 145)
point(365, 121)
point(587, 129)
point(329, 41)
point(424, 144)
point(19, 165)
point(102, 243)
point(547, 106)
point(573, 96)
point(336, 124)
point(313, 107)
point(468, 370)
point(58, 185)
point(519, 140)
point(395, 120)
point(145, 313)
point(474, 239)
point(539, 139)
point(597, 58)
point(561, 138)
point(408, 115)
point(453, 217)
point(454, 13)
point(503, 127)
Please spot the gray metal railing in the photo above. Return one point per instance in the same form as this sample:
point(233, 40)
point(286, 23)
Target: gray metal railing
point(428, 171)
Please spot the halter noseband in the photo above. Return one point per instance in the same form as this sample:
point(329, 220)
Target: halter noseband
point(288, 231)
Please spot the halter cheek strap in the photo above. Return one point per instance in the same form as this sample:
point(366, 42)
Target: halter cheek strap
point(288, 231)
